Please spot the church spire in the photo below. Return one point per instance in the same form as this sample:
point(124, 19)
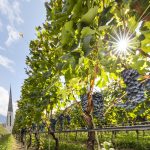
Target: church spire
point(10, 118)
point(10, 107)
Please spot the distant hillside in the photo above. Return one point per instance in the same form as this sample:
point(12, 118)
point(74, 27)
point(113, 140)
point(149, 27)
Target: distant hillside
point(2, 119)
point(3, 130)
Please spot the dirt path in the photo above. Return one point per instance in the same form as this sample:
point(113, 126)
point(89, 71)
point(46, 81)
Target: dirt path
point(16, 145)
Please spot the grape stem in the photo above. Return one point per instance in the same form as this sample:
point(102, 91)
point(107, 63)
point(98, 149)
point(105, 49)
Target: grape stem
point(143, 53)
point(114, 102)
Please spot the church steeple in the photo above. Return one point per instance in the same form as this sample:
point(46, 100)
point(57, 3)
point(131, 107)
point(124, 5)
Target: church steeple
point(10, 107)
point(10, 118)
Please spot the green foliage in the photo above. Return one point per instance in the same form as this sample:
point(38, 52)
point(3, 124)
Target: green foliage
point(72, 47)
point(90, 15)
point(3, 131)
point(67, 32)
point(65, 146)
point(6, 142)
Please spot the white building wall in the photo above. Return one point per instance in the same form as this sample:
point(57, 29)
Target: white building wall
point(9, 122)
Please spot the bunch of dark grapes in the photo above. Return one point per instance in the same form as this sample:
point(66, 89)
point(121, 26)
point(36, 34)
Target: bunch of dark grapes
point(61, 121)
point(98, 103)
point(42, 126)
point(129, 75)
point(23, 131)
point(33, 126)
point(53, 124)
point(134, 89)
point(68, 119)
point(84, 102)
point(147, 85)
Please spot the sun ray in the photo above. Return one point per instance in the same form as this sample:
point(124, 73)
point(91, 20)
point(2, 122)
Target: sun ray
point(123, 42)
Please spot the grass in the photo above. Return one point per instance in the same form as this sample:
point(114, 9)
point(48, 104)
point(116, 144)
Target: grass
point(64, 146)
point(131, 141)
point(6, 142)
point(128, 140)
point(71, 141)
point(3, 131)
point(122, 141)
point(5, 139)
point(68, 143)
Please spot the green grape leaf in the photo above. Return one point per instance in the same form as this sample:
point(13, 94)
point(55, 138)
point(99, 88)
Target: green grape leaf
point(67, 32)
point(86, 44)
point(103, 27)
point(77, 9)
point(87, 31)
point(145, 44)
point(90, 15)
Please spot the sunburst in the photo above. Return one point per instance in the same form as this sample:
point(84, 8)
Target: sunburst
point(123, 42)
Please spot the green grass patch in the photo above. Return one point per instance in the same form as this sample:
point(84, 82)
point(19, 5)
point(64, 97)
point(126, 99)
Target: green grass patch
point(73, 141)
point(6, 142)
point(64, 145)
point(3, 131)
point(5, 139)
point(128, 140)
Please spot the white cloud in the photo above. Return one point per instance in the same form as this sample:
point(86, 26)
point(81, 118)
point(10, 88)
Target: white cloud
point(12, 10)
point(13, 35)
point(7, 63)
point(4, 96)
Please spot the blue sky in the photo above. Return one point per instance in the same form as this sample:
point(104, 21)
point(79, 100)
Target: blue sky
point(17, 18)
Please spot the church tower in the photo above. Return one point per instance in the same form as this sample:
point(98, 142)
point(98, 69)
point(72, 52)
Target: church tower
point(10, 118)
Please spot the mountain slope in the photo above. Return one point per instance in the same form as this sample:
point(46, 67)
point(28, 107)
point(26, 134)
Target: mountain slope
point(2, 119)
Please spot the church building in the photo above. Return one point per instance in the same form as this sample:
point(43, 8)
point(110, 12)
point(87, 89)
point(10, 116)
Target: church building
point(10, 117)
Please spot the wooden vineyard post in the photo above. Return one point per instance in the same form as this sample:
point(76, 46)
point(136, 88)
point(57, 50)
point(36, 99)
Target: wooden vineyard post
point(143, 133)
point(30, 139)
point(137, 134)
point(76, 133)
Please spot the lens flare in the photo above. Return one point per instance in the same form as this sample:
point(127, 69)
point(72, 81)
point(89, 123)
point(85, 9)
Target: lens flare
point(123, 42)
point(123, 45)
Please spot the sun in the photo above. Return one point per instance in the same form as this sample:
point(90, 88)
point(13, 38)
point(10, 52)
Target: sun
point(122, 45)
point(123, 42)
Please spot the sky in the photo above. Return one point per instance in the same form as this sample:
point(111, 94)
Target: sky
point(18, 19)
